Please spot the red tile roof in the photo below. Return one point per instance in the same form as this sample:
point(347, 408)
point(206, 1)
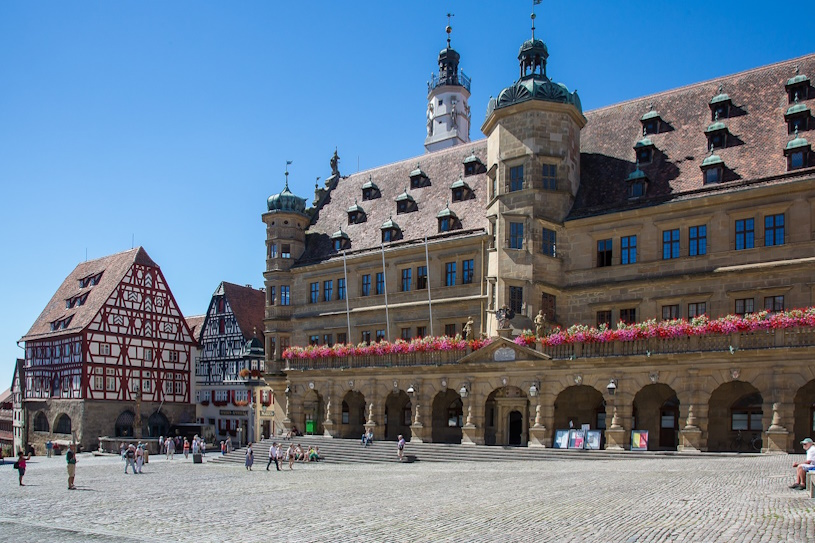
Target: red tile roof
point(248, 305)
point(443, 168)
point(195, 324)
point(760, 100)
point(113, 268)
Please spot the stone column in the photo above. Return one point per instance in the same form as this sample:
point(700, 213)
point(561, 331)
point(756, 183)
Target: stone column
point(615, 433)
point(537, 432)
point(419, 432)
point(472, 433)
point(690, 436)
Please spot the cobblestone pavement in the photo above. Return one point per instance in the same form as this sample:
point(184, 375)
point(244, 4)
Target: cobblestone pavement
point(701, 499)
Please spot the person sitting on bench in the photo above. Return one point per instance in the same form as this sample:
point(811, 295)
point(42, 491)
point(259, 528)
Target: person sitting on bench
point(801, 468)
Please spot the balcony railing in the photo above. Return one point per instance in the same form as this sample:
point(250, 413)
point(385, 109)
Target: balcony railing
point(753, 340)
point(459, 78)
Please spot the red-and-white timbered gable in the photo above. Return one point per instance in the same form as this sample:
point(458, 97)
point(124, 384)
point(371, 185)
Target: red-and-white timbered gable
point(113, 328)
point(139, 341)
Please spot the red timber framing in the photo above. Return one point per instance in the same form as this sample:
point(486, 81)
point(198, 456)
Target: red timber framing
point(138, 341)
point(54, 367)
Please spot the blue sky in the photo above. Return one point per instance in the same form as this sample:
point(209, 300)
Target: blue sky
point(170, 123)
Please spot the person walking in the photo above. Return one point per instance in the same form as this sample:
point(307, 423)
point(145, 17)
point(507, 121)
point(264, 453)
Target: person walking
point(250, 457)
point(400, 448)
point(186, 448)
point(70, 459)
point(273, 457)
point(290, 455)
point(130, 458)
point(139, 458)
point(20, 464)
point(49, 448)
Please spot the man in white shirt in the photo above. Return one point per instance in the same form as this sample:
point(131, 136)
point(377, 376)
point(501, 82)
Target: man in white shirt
point(273, 457)
point(802, 467)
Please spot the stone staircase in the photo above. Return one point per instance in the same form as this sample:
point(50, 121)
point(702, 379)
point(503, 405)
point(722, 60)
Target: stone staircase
point(347, 451)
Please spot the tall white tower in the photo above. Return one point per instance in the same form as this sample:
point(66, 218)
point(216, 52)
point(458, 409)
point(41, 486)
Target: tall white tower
point(448, 112)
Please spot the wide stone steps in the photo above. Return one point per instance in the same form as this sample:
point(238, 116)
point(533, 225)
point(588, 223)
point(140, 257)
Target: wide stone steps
point(344, 451)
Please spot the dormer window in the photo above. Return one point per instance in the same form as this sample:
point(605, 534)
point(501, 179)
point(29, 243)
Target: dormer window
point(473, 165)
point(418, 178)
point(716, 135)
point(340, 240)
point(461, 191)
point(644, 149)
point(712, 169)
point(798, 87)
point(370, 191)
point(797, 117)
point(720, 106)
point(356, 214)
point(797, 152)
point(637, 183)
point(405, 203)
point(390, 231)
point(61, 324)
point(76, 301)
point(650, 122)
point(90, 280)
point(447, 220)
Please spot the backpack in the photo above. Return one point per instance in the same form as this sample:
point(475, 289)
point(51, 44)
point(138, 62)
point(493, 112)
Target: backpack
point(16, 465)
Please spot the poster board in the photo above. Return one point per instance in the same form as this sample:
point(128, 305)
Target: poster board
point(593, 439)
point(639, 440)
point(576, 438)
point(561, 440)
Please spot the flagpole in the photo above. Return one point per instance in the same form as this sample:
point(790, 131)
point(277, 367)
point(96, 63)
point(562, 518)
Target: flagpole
point(429, 298)
point(347, 309)
point(385, 280)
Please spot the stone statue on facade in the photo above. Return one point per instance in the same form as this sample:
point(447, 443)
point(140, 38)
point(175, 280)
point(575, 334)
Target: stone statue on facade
point(371, 413)
point(504, 315)
point(335, 170)
point(430, 119)
point(328, 410)
point(453, 114)
point(540, 323)
point(467, 331)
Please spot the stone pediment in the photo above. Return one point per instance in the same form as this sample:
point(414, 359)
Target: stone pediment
point(502, 350)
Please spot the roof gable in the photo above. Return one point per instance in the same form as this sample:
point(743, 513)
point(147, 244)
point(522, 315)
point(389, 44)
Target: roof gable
point(248, 305)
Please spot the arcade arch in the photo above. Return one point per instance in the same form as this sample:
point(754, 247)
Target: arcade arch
point(398, 412)
point(734, 407)
point(656, 409)
point(353, 415)
point(506, 416)
point(803, 415)
point(448, 417)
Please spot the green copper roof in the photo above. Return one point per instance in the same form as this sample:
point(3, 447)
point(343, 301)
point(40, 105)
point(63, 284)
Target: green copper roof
point(644, 142)
point(389, 225)
point(460, 184)
point(533, 47)
point(405, 196)
point(796, 108)
point(472, 158)
point(800, 78)
point(650, 115)
point(286, 201)
point(721, 97)
point(355, 208)
point(636, 175)
point(446, 212)
point(253, 348)
point(369, 185)
point(339, 234)
point(715, 127)
point(712, 160)
point(797, 143)
point(417, 172)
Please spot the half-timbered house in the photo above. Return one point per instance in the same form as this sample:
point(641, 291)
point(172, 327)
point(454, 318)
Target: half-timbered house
point(109, 355)
point(231, 360)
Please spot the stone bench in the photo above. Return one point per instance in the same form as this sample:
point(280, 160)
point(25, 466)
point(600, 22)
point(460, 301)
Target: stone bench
point(810, 483)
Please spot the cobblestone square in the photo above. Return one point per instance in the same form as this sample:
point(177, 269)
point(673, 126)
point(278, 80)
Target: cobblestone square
point(648, 499)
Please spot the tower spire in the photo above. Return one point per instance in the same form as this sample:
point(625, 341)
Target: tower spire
point(449, 28)
point(288, 163)
point(534, 3)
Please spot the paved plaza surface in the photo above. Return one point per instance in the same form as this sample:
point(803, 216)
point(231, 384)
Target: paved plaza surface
point(648, 499)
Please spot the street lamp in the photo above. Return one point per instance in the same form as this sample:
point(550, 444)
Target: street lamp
point(612, 386)
point(464, 391)
point(411, 390)
point(534, 389)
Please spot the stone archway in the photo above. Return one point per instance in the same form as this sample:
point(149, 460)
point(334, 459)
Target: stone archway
point(313, 413)
point(656, 409)
point(62, 425)
point(501, 425)
point(733, 407)
point(352, 415)
point(398, 413)
point(157, 424)
point(448, 415)
point(124, 424)
point(803, 415)
point(578, 405)
point(41, 423)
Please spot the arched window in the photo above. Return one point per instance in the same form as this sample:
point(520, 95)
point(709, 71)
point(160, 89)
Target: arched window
point(124, 424)
point(41, 423)
point(158, 425)
point(63, 424)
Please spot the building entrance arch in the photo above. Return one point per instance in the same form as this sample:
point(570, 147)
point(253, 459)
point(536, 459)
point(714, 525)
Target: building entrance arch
point(158, 425)
point(656, 409)
point(124, 424)
point(578, 405)
point(734, 417)
point(352, 421)
point(313, 413)
point(803, 415)
point(448, 414)
point(398, 410)
point(502, 427)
